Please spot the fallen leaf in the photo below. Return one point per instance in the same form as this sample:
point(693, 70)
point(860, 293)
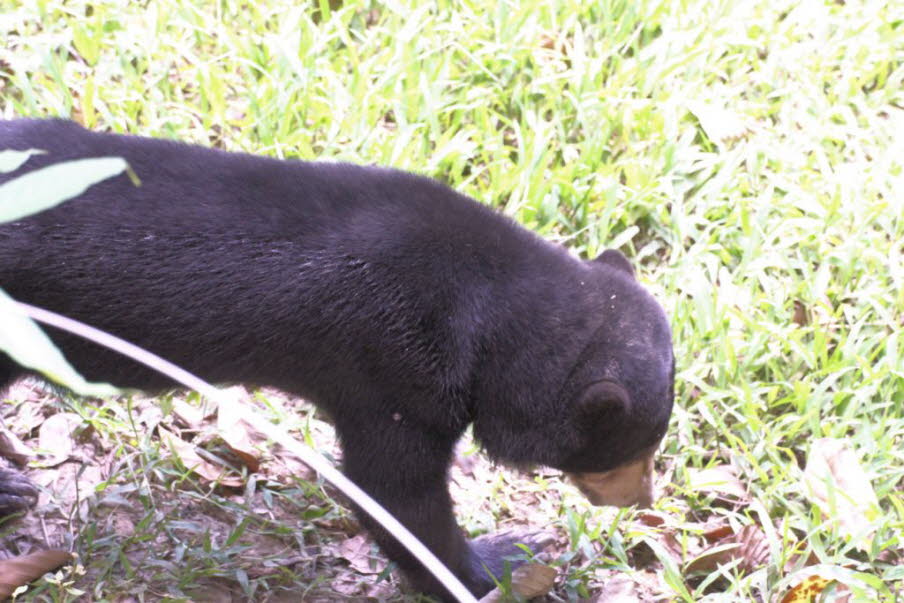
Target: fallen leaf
point(547, 41)
point(285, 469)
point(801, 316)
point(807, 590)
point(19, 571)
point(748, 545)
point(618, 589)
point(719, 479)
point(55, 437)
point(837, 484)
point(529, 580)
point(463, 461)
point(652, 519)
point(358, 551)
point(354, 588)
point(211, 590)
point(148, 414)
point(672, 545)
point(193, 461)
point(188, 415)
point(237, 434)
point(12, 448)
point(891, 556)
point(714, 532)
point(719, 124)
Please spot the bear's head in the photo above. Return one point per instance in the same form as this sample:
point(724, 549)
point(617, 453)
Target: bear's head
point(619, 395)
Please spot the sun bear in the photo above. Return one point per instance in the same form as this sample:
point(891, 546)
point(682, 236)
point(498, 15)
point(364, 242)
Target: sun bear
point(402, 309)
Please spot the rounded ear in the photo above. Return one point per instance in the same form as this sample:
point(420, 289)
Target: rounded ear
point(603, 398)
point(614, 258)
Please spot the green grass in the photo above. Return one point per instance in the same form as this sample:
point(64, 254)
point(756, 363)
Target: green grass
point(748, 157)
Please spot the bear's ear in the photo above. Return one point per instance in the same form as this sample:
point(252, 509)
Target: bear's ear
point(603, 399)
point(614, 258)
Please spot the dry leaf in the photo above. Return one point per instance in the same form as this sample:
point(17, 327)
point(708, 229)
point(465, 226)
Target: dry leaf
point(55, 437)
point(192, 460)
point(19, 571)
point(716, 531)
point(801, 316)
point(12, 448)
point(618, 589)
point(838, 485)
point(237, 434)
point(187, 414)
point(672, 545)
point(123, 526)
point(464, 462)
point(653, 519)
point(807, 590)
point(354, 588)
point(529, 580)
point(720, 479)
point(719, 124)
point(285, 469)
point(891, 556)
point(749, 545)
point(359, 553)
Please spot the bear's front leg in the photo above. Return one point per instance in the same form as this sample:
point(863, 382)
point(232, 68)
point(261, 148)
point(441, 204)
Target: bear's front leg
point(404, 468)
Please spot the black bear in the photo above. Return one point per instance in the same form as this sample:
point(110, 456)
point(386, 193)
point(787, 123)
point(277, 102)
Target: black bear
point(404, 310)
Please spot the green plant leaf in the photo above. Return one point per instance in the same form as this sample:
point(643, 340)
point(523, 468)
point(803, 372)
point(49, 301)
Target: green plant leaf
point(44, 188)
point(10, 160)
point(23, 341)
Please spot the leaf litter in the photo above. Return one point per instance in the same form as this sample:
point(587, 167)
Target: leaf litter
point(74, 465)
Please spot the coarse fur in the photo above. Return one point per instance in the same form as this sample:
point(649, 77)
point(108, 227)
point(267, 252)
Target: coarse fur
point(404, 310)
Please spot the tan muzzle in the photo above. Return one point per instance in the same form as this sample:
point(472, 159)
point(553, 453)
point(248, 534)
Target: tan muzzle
point(630, 484)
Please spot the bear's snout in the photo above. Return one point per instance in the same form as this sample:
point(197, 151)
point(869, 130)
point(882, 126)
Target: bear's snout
point(630, 484)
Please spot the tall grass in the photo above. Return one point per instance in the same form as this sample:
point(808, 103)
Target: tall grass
point(748, 157)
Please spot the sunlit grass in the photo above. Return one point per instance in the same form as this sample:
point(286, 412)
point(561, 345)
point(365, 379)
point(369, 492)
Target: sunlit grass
point(748, 156)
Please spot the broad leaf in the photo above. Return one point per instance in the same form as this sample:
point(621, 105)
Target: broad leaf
point(26, 344)
point(11, 161)
point(51, 185)
point(837, 484)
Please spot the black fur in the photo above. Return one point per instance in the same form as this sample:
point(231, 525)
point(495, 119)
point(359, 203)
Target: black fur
point(403, 309)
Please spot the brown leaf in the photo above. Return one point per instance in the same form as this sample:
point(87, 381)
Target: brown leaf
point(55, 437)
point(807, 591)
point(12, 448)
point(463, 461)
point(547, 41)
point(719, 479)
point(714, 532)
point(123, 526)
point(837, 484)
point(801, 316)
point(285, 469)
point(672, 545)
point(359, 553)
point(529, 580)
point(749, 545)
point(237, 434)
point(192, 460)
point(19, 571)
point(891, 556)
point(192, 416)
point(653, 519)
point(720, 124)
point(618, 589)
